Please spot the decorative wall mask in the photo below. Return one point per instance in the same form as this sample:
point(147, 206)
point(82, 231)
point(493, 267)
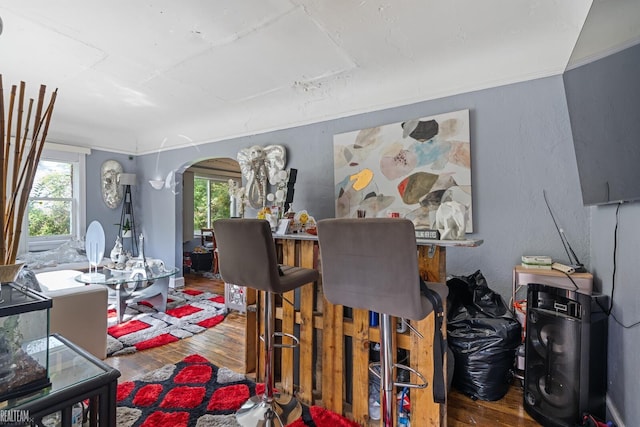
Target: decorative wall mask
point(111, 189)
point(259, 166)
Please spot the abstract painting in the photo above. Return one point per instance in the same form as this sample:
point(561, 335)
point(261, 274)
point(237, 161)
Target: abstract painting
point(407, 168)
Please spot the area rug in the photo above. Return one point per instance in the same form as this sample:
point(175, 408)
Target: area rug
point(195, 392)
point(188, 312)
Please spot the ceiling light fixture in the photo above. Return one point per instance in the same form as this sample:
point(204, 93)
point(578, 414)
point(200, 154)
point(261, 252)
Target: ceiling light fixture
point(157, 183)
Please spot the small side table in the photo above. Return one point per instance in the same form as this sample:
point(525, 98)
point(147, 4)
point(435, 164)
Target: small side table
point(522, 276)
point(75, 375)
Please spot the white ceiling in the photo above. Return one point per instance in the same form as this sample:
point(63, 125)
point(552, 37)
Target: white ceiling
point(138, 77)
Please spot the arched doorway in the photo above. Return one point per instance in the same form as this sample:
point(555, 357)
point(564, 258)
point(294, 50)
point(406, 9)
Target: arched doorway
point(206, 198)
point(211, 190)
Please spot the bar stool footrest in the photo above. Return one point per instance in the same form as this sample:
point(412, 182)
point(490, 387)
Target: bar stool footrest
point(296, 341)
point(423, 384)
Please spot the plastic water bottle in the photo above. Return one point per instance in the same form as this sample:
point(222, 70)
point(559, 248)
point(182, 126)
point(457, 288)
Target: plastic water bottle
point(403, 405)
point(373, 318)
point(76, 414)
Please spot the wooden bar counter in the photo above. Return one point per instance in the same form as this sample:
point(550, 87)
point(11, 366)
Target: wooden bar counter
point(324, 371)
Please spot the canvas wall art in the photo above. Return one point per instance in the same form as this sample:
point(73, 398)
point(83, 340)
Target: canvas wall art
point(408, 168)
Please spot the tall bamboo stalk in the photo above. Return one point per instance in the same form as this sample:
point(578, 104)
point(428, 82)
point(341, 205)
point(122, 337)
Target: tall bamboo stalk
point(2, 171)
point(16, 153)
point(18, 166)
point(7, 147)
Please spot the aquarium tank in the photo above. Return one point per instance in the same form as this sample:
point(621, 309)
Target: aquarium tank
point(24, 342)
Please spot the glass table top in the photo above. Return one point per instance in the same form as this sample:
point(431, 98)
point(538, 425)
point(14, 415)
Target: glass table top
point(67, 368)
point(108, 276)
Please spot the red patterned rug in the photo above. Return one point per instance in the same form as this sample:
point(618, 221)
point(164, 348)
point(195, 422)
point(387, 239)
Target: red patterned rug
point(188, 312)
point(194, 392)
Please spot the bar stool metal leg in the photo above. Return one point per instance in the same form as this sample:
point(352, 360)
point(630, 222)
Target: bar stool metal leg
point(258, 410)
point(269, 330)
point(386, 370)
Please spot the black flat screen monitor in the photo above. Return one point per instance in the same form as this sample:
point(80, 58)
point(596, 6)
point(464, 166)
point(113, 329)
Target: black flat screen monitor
point(603, 98)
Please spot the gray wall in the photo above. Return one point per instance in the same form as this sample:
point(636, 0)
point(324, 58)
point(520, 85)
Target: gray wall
point(624, 342)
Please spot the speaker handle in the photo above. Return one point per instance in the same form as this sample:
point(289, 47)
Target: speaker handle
point(548, 364)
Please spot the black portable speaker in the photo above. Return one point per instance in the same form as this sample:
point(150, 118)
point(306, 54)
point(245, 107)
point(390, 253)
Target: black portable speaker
point(565, 355)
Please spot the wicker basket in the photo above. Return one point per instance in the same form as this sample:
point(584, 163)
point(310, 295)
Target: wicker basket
point(8, 273)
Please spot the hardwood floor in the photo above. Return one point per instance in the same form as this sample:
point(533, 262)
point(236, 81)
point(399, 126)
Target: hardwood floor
point(224, 346)
point(506, 412)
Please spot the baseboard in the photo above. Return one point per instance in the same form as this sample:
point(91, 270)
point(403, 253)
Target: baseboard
point(176, 282)
point(612, 412)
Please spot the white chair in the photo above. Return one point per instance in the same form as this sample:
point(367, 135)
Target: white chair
point(78, 312)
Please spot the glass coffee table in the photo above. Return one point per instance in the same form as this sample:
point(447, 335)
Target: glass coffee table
point(76, 376)
point(150, 284)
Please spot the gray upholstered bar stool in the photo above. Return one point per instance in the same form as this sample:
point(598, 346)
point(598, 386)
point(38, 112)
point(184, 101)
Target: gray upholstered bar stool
point(247, 257)
point(372, 263)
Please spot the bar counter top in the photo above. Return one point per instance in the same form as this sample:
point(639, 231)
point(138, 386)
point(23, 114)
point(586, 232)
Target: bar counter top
point(420, 242)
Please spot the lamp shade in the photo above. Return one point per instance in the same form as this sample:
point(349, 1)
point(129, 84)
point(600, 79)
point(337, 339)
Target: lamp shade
point(127, 179)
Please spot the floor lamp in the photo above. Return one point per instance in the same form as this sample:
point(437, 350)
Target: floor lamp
point(127, 180)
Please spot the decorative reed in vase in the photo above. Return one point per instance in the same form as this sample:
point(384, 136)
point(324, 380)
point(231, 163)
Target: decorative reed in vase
point(20, 153)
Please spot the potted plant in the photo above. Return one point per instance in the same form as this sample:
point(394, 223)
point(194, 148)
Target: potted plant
point(126, 228)
point(22, 140)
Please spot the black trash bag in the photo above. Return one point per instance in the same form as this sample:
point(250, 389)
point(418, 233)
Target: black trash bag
point(484, 335)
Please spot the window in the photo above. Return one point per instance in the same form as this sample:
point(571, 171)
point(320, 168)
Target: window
point(56, 209)
point(211, 201)
point(51, 200)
